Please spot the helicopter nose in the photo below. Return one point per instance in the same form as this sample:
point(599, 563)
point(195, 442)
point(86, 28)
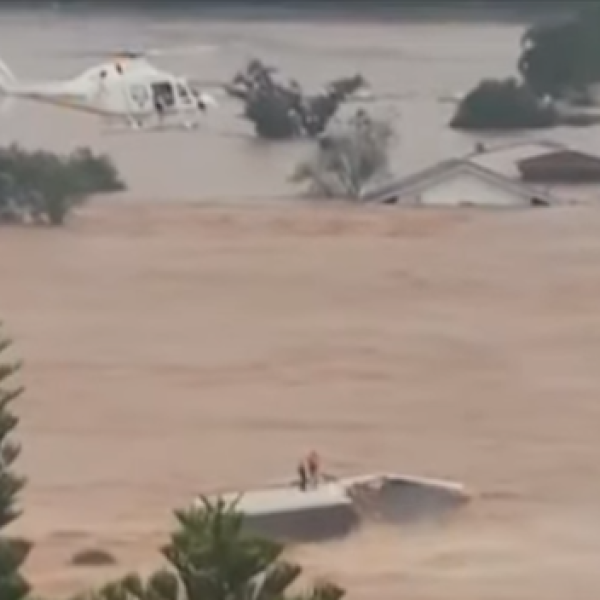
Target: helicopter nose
point(206, 101)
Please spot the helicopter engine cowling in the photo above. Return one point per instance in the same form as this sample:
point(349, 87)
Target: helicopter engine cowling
point(206, 101)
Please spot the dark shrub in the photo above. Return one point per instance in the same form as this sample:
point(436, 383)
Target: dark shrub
point(45, 187)
point(503, 104)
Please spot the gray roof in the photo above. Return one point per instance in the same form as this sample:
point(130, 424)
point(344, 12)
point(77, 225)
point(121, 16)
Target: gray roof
point(504, 159)
point(274, 501)
point(414, 184)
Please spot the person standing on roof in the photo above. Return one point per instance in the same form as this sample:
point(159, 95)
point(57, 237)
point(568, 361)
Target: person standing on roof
point(313, 467)
point(302, 475)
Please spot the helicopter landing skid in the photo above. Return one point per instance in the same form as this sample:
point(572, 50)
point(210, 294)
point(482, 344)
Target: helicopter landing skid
point(137, 127)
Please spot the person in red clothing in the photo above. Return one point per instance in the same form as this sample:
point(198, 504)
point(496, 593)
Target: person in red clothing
point(313, 467)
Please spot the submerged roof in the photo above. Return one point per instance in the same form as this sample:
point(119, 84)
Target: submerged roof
point(507, 158)
point(288, 499)
point(417, 182)
point(504, 159)
point(396, 478)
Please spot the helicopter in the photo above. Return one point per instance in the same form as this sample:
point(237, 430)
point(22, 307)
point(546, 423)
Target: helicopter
point(126, 90)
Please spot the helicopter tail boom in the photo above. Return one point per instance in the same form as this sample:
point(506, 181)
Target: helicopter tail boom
point(8, 82)
point(8, 79)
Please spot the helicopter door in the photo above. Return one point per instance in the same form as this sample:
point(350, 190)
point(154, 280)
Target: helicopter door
point(163, 95)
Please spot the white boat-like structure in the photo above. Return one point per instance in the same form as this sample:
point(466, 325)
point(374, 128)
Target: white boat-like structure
point(337, 506)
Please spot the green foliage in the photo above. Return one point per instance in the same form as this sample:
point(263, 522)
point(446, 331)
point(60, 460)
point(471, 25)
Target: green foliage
point(211, 556)
point(558, 58)
point(349, 158)
point(503, 104)
point(13, 551)
point(44, 187)
point(211, 537)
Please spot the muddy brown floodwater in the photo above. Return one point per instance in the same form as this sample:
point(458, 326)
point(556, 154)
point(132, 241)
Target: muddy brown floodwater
point(172, 348)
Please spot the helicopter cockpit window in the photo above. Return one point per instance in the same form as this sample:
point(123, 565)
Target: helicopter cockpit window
point(163, 94)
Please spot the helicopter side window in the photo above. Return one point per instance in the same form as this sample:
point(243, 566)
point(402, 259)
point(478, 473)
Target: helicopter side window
point(183, 94)
point(163, 94)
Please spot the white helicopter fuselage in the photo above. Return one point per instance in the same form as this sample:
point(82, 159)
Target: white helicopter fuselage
point(131, 90)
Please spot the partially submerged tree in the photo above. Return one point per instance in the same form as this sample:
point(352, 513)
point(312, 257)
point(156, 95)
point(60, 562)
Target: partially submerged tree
point(503, 104)
point(44, 187)
point(562, 58)
point(281, 110)
point(13, 551)
point(212, 556)
point(348, 158)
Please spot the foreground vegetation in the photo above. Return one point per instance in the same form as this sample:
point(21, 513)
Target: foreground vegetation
point(13, 551)
point(43, 187)
point(559, 65)
point(209, 556)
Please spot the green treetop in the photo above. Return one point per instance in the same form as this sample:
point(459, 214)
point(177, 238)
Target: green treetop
point(13, 551)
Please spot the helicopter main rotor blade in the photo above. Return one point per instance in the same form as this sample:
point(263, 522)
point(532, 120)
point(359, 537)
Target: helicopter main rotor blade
point(142, 53)
point(182, 50)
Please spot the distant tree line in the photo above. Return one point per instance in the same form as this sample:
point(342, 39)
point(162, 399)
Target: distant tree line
point(342, 4)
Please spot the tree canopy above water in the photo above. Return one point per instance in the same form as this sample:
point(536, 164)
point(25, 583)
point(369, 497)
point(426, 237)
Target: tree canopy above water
point(559, 68)
point(561, 57)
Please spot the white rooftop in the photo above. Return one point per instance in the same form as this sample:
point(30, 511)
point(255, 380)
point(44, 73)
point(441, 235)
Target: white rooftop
point(288, 499)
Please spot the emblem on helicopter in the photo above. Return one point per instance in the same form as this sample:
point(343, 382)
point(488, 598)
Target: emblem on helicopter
point(140, 95)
